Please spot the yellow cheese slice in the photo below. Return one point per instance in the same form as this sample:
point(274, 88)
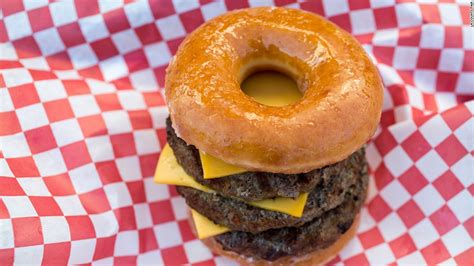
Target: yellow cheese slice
point(213, 167)
point(289, 206)
point(206, 228)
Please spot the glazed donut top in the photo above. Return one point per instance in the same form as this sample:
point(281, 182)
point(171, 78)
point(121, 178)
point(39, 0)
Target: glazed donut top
point(338, 113)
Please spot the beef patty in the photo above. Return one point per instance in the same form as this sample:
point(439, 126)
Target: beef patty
point(251, 186)
point(318, 233)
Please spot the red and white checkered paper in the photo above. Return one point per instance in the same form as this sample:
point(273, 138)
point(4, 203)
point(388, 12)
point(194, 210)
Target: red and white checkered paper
point(82, 119)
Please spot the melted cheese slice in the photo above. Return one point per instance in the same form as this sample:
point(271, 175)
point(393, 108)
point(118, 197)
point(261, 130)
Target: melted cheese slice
point(215, 168)
point(170, 172)
point(206, 228)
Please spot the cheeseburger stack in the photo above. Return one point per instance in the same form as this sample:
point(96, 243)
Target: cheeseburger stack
point(270, 184)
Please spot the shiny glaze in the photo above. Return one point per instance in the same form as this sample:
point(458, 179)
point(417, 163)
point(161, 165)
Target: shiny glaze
point(338, 112)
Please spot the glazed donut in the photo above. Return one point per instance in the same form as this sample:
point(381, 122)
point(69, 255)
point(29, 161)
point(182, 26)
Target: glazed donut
point(338, 112)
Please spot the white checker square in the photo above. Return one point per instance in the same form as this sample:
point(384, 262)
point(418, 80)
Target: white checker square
point(395, 195)
point(408, 15)
point(403, 130)
point(465, 84)
point(82, 56)
point(29, 5)
point(142, 215)
point(372, 190)
point(63, 12)
point(126, 243)
point(223, 261)
point(117, 122)
point(212, 10)
point(157, 54)
point(352, 248)
point(105, 224)
point(55, 229)
point(84, 105)
point(362, 21)
point(146, 141)
point(414, 258)
point(182, 6)
point(451, 60)
point(432, 36)
point(389, 75)
point(67, 74)
point(19, 206)
point(425, 80)
point(32, 116)
point(397, 161)
point(8, 51)
point(155, 192)
point(385, 37)
point(34, 186)
point(16, 76)
point(461, 205)
point(457, 240)
point(415, 97)
point(168, 235)
point(38, 63)
point(392, 227)
point(93, 28)
point(5, 169)
point(429, 200)
point(17, 146)
point(179, 208)
point(464, 134)
point(49, 41)
point(129, 168)
point(30, 255)
point(450, 14)
point(104, 261)
point(82, 251)
point(67, 132)
point(6, 231)
point(158, 116)
point(256, 3)
point(50, 162)
point(333, 8)
point(131, 100)
point(113, 68)
point(138, 13)
point(126, 41)
point(150, 258)
point(405, 57)
point(70, 205)
point(85, 178)
point(435, 131)
point(17, 26)
point(100, 148)
point(144, 80)
point(196, 251)
point(373, 156)
point(118, 195)
point(468, 37)
point(431, 165)
point(464, 168)
point(49, 90)
point(381, 3)
point(423, 233)
point(109, 5)
point(170, 27)
point(100, 87)
point(6, 103)
point(380, 254)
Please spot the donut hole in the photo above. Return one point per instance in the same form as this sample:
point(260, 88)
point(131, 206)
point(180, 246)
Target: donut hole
point(271, 87)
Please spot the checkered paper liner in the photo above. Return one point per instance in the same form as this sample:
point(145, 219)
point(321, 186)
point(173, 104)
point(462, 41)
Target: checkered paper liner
point(82, 123)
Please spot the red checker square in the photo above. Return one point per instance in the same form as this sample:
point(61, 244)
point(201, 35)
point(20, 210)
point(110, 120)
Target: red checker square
point(116, 20)
point(428, 58)
point(126, 218)
point(104, 247)
point(76, 87)
point(212, 263)
point(59, 185)
point(383, 176)
point(75, 155)
point(451, 150)
point(93, 125)
point(81, 227)
point(137, 191)
point(172, 190)
point(42, 75)
point(430, 13)
point(402, 246)
point(464, 10)
point(23, 166)
point(173, 45)
point(453, 37)
point(56, 254)
point(164, 9)
point(444, 220)
point(104, 48)
point(148, 164)
point(3, 209)
point(3, 33)
point(409, 36)
point(416, 146)
point(45, 206)
point(371, 238)
point(59, 61)
point(90, 9)
point(384, 54)
point(147, 240)
point(410, 213)
point(435, 253)
point(160, 73)
point(136, 60)
point(123, 144)
point(27, 231)
point(12, 8)
point(95, 201)
point(231, 4)
point(161, 212)
point(387, 119)
point(93, 72)
point(471, 189)
point(407, 76)
point(357, 260)
point(40, 139)
point(448, 185)
point(419, 121)
point(465, 258)
point(399, 94)
point(161, 136)
point(185, 230)
point(446, 81)
point(378, 208)
point(468, 64)
point(108, 172)
point(354, 5)
point(108, 102)
point(140, 119)
point(10, 187)
point(342, 21)
point(122, 83)
point(71, 34)
point(7, 255)
point(277, 2)
point(469, 225)
point(413, 180)
point(153, 99)
point(385, 18)
point(385, 142)
point(192, 19)
point(148, 33)
point(174, 256)
point(40, 19)
point(26, 47)
point(23, 95)
point(204, 2)
point(125, 260)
